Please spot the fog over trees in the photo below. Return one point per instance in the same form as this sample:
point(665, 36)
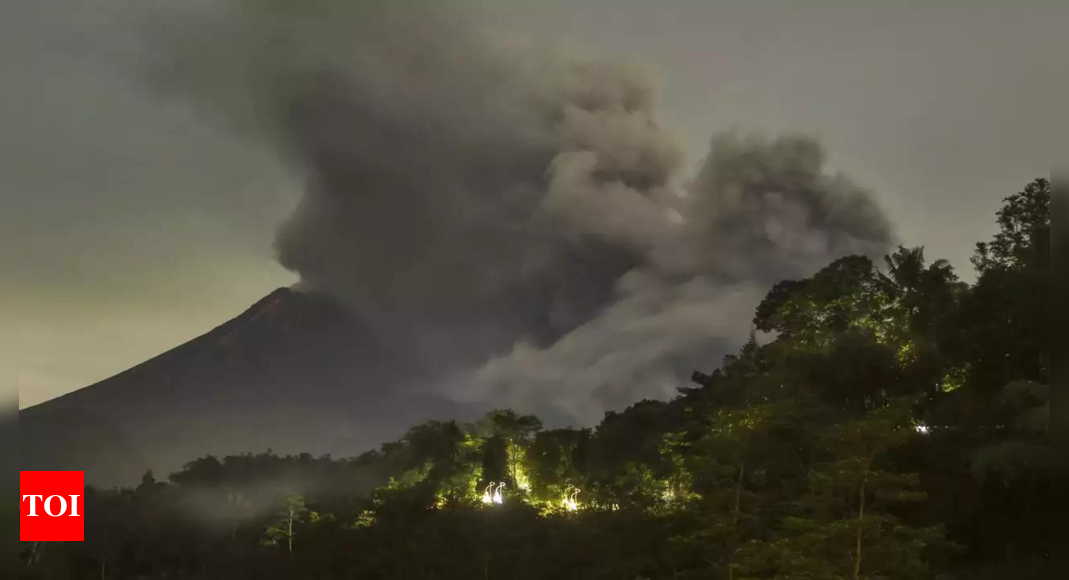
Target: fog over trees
point(885, 420)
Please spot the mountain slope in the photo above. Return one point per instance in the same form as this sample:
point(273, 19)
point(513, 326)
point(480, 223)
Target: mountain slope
point(295, 372)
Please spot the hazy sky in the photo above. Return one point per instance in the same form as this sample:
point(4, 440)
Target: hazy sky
point(128, 224)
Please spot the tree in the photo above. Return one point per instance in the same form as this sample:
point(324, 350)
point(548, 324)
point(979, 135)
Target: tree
point(1015, 471)
point(495, 461)
point(510, 436)
point(1006, 319)
point(727, 467)
point(283, 527)
point(927, 293)
point(801, 457)
point(555, 463)
point(844, 526)
point(1024, 450)
point(1023, 240)
point(514, 427)
point(625, 449)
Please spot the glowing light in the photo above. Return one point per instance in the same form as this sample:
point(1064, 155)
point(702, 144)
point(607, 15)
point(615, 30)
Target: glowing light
point(570, 501)
point(487, 499)
point(923, 429)
point(498, 497)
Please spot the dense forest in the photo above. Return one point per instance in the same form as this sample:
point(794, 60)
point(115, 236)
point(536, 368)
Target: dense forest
point(883, 421)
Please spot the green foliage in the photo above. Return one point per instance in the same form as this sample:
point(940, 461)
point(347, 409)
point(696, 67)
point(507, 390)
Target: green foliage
point(556, 464)
point(1023, 240)
point(842, 526)
point(846, 294)
point(512, 426)
point(495, 460)
point(284, 527)
point(1006, 318)
point(883, 419)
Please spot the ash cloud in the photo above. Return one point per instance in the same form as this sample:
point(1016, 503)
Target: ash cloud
point(512, 217)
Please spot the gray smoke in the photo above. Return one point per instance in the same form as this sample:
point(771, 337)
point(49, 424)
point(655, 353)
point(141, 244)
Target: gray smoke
point(759, 211)
point(514, 218)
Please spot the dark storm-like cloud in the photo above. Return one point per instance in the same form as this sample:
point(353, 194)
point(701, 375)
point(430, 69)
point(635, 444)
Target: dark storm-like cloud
point(758, 211)
point(514, 218)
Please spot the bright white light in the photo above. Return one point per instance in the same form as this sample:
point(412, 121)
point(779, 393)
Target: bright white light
point(487, 499)
point(923, 429)
point(571, 502)
point(498, 498)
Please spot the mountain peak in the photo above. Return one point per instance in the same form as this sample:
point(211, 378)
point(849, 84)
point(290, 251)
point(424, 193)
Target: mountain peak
point(295, 371)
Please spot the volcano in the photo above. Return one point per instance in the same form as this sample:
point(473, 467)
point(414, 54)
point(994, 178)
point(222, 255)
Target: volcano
point(296, 372)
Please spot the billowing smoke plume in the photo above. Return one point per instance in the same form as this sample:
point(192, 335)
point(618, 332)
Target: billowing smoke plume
point(758, 212)
point(514, 219)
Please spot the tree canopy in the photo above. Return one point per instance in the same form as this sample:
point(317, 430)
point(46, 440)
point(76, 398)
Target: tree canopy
point(883, 421)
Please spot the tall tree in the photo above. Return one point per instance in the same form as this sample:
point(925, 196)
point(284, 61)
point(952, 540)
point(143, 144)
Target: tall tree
point(283, 528)
point(1007, 317)
point(845, 526)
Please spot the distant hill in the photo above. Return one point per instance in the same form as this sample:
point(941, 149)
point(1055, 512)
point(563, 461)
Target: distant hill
point(295, 372)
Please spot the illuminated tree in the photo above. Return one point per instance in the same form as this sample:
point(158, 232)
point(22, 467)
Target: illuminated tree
point(555, 464)
point(505, 450)
point(283, 528)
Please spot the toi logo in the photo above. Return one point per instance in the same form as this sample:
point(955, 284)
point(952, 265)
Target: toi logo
point(52, 503)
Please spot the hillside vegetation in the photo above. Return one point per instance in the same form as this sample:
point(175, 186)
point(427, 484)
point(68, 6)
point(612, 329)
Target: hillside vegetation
point(884, 421)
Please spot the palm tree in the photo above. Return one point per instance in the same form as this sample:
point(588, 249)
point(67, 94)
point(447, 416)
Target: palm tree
point(920, 289)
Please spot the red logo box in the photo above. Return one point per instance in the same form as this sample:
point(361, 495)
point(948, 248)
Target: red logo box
point(53, 506)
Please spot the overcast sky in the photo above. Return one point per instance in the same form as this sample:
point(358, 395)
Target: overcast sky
point(128, 224)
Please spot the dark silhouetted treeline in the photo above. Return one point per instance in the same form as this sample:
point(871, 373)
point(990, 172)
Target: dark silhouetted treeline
point(884, 421)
